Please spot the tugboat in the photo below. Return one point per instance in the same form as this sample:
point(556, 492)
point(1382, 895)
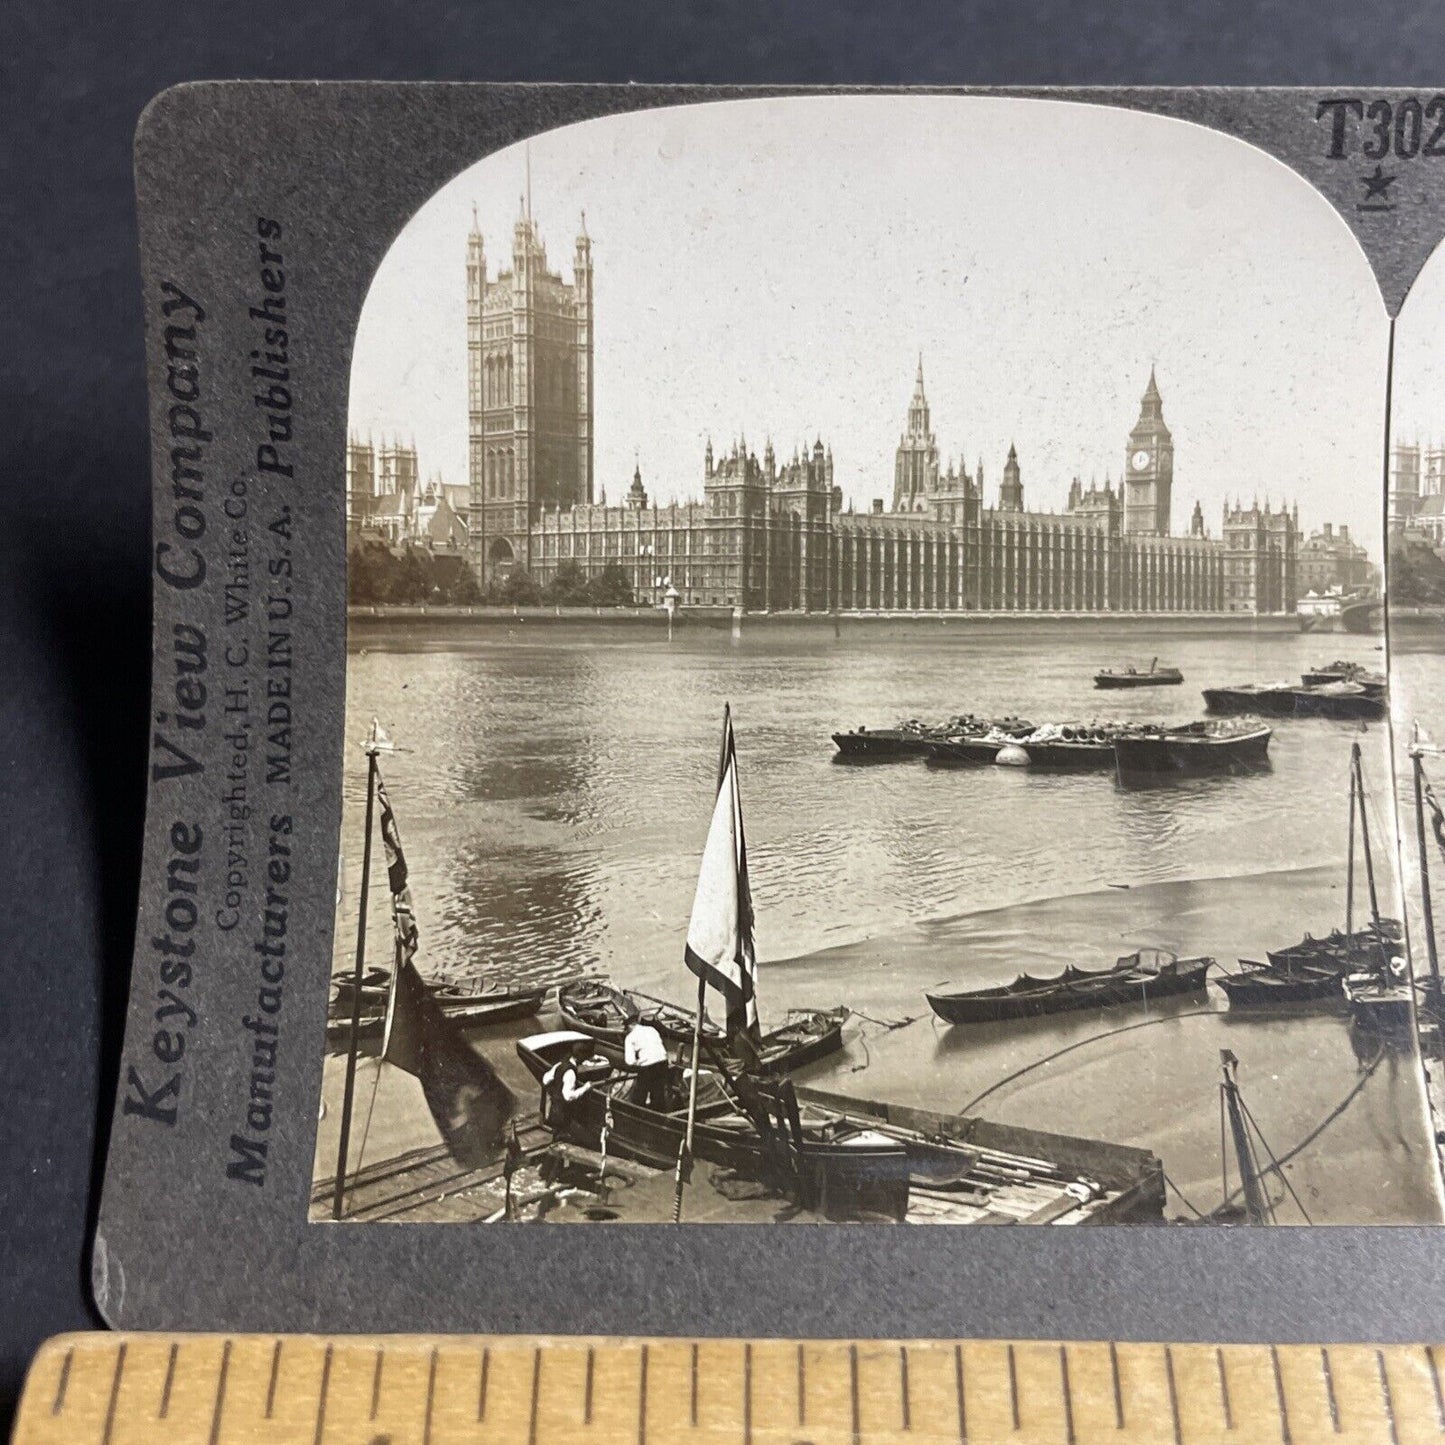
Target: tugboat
point(1153, 676)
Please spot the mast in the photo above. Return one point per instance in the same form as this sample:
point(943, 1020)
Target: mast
point(1365, 837)
point(1350, 869)
point(1257, 1208)
point(1425, 905)
point(372, 746)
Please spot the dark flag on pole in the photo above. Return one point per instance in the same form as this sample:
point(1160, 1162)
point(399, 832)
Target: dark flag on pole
point(402, 916)
point(469, 1103)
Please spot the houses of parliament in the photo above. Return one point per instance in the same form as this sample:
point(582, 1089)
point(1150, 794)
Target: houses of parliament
point(772, 534)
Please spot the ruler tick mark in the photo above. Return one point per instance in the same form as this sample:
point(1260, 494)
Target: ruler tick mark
point(165, 1408)
point(1284, 1433)
point(642, 1400)
point(1224, 1389)
point(1118, 1390)
point(958, 1386)
point(271, 1383)
point(220, 1393)
point(431, 1390)
point(482, 1387)
point(748, 1394)
point(802, 1388)
point(114, 1395)
point(63, 1384)
point(1387, 1396)
point(903, 1386)
point(1435, 1378)
point(376, 1383)
point(1013, 1387)
point(321, 1397)
point(1068, 1394)
point(1329, 1376)
point(587, 1392)
point(853, 1393)
point(1173, 1396)
point(536, 1393)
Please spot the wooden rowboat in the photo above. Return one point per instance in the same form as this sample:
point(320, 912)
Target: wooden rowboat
point(499, 1007)
point(1138, 977)
point(605, 1013)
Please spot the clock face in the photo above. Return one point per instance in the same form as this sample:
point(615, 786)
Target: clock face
point(1140, 459)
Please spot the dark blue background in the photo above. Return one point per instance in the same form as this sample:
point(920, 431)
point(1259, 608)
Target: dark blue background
point(74, 535)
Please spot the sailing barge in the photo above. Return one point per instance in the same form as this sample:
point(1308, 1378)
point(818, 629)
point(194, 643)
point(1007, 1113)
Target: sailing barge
point(860, 1159)
point(914, 739)
point(1147, 974)
point(1342, 701)
point(1221, 745)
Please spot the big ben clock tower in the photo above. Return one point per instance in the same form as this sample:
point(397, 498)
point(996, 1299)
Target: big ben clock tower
point(1149, 469)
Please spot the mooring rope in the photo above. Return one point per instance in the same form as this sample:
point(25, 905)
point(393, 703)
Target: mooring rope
point(1081, 1043)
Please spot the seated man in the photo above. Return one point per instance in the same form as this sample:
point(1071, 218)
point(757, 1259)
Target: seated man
point(562, 1087)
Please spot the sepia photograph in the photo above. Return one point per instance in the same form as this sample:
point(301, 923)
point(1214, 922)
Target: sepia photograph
point(866, 688)
point(1415, 540)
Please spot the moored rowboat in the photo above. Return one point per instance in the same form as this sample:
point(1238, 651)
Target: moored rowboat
point(605, 1013)
point(503, 1006)
point(1261, 985)
point(1146, 974)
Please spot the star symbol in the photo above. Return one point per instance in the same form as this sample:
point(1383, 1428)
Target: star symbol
point(1378, 184)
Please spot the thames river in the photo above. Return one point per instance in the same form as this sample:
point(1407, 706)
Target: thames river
point(553, 783)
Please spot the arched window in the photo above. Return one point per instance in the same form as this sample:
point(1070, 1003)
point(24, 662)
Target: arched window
point(507, 381)
point(510, 473)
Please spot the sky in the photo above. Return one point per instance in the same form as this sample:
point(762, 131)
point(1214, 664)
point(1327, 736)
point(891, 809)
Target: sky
point(775, 268)
point(1418, 406)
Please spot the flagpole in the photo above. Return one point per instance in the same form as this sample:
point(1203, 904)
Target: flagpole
point(684, 1153)
point(338, 1197)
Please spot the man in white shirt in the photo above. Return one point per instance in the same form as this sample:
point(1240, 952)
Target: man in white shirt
point(644, 1051)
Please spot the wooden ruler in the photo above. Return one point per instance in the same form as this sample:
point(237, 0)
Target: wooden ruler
point(443, 1390)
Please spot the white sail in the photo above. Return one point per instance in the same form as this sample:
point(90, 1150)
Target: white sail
point(720, 947)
